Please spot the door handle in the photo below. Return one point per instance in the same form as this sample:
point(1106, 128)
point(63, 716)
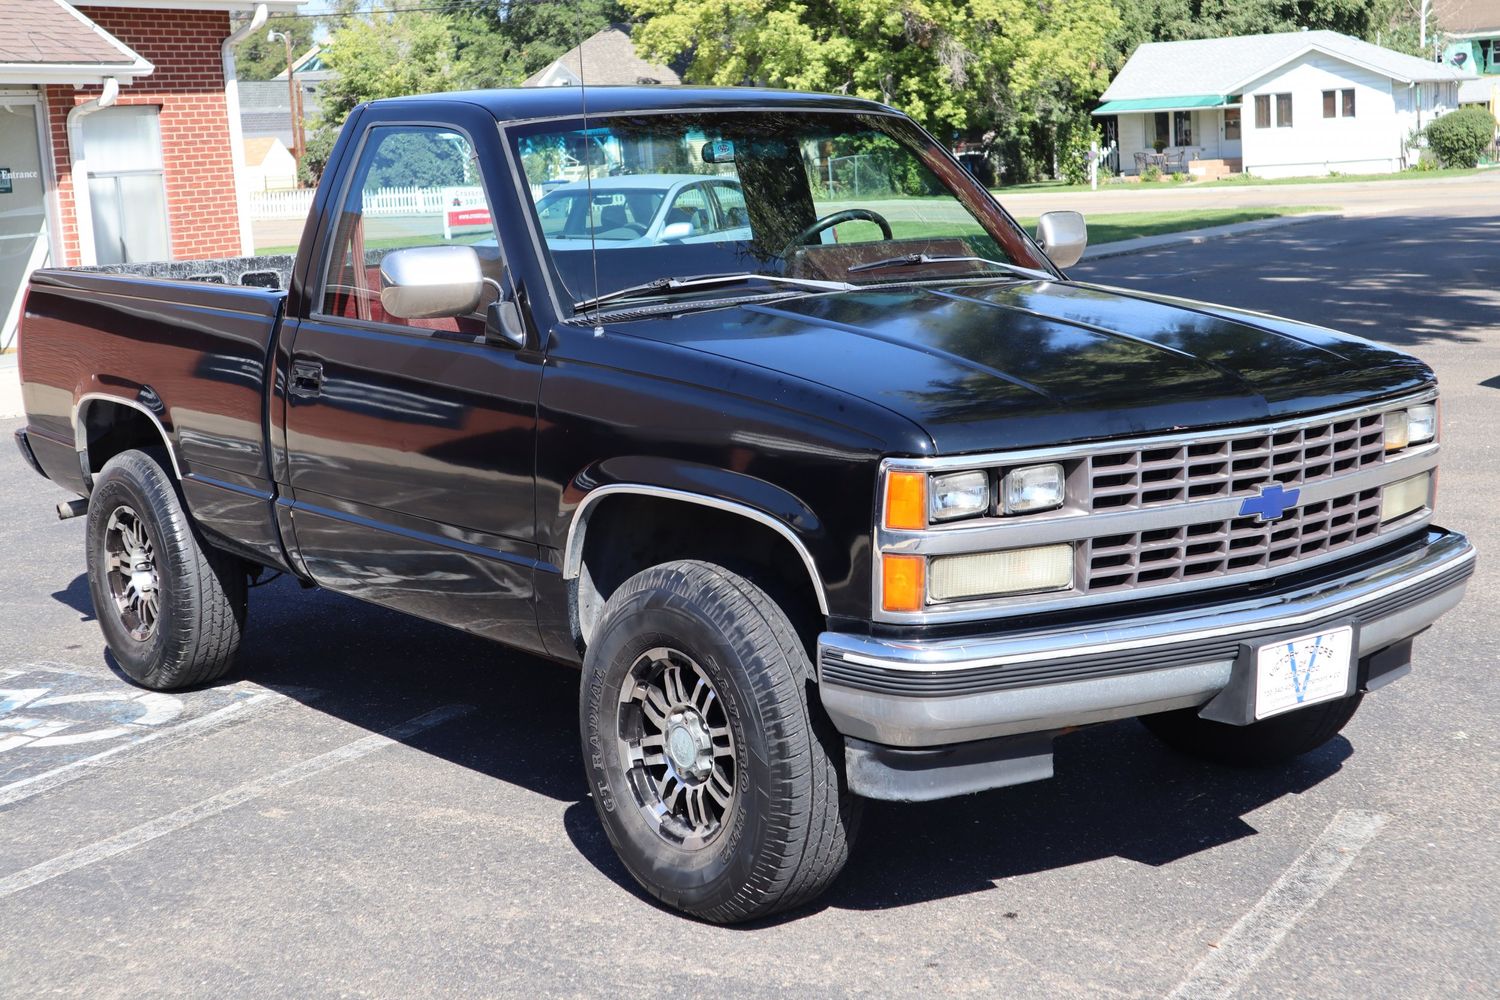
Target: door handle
point(307, 378)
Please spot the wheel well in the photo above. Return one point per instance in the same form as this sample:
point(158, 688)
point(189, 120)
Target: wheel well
point(625, 534)
point(112, 428)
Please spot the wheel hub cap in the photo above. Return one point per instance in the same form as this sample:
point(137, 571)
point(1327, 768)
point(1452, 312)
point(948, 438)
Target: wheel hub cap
point(676, 747)
point(130, 572)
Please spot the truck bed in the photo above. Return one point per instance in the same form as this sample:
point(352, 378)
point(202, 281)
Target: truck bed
point(191, 355)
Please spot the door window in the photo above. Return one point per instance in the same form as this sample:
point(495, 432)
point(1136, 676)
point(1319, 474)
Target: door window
point(1182, 127)
point(411, 187)
point(23, 211)
point(732, 211)
point(691, 206)
point(127, 192)
point(1232, 124)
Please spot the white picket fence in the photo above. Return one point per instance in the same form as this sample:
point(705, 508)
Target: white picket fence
point(296, 204)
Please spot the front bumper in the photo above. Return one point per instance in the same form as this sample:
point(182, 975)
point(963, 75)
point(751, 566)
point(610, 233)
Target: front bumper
point(929, 693)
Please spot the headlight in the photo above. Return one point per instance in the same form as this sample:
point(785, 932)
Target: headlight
point(1421, 423)
point(958, 494)
point(1032, 488)
point(1413, 425)
point(1400, 499)
point(990, 574)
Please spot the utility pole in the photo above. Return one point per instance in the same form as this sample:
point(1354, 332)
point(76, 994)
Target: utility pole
point(1425, 6)
point(294, 97)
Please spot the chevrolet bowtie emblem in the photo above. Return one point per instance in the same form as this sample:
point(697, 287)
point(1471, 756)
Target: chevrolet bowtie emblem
point(1270, 503)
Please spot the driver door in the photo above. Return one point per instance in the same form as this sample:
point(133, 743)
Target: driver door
point(410, 443)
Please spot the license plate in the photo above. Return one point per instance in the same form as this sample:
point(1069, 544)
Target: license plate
point(1302, 671)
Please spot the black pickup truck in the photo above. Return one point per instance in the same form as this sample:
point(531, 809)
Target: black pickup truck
point(757, 407)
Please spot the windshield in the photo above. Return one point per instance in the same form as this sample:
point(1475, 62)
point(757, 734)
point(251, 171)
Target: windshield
point(808, 195)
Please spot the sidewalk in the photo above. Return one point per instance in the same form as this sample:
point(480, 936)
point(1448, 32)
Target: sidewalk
point(1146, 243)
point(10, 387)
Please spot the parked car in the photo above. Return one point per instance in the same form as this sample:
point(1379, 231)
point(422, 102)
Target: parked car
point(643, 210)
point(819, 521)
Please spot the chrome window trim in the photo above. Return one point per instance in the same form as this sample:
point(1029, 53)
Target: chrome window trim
point(578, 527)
point(1073, 522)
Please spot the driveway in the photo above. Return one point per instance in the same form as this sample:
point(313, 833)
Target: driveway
point(379, 807)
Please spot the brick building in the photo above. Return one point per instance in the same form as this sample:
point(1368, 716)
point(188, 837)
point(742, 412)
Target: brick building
point(119, 134)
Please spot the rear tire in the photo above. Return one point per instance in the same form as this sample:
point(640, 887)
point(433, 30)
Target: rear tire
point(172, 607)
point(1261, 744)
point(713, 771)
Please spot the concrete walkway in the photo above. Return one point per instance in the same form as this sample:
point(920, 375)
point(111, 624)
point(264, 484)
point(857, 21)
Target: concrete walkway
point(10, 387)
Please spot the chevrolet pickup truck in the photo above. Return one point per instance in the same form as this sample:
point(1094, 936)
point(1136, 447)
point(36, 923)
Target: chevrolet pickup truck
point(758, 409)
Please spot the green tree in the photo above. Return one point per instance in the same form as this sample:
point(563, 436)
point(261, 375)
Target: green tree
point(259, 58)
point(955, 66)
point(387, 54)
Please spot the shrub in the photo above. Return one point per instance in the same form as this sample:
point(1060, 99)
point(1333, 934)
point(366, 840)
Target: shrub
point(1076, 135)
point(1151, 174)
point(1459, 137)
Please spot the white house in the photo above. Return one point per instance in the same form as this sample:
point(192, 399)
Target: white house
point(1284, 105)
point(269, 165)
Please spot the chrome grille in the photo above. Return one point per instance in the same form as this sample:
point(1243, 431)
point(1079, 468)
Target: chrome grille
point(1221, 548)
point(1203, 470)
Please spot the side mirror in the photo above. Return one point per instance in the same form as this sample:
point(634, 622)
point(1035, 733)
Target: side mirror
point(429, 282)
point(1063, 235)
point(677, 231)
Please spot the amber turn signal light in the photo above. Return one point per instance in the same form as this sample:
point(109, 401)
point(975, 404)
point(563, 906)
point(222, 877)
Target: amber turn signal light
point(906, 500)
point(903, 582)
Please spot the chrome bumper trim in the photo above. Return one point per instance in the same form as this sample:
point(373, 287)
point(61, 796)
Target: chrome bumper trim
point(943, 691)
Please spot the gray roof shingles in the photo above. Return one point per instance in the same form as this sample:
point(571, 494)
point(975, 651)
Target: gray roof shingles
point(1219, 65)
point(43, 32)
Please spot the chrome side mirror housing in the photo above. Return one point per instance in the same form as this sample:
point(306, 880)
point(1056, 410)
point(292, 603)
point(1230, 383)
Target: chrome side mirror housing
point(1064, 236)
point(677, 230)
point(430, 282)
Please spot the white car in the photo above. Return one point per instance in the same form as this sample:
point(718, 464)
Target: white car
point(644, 210)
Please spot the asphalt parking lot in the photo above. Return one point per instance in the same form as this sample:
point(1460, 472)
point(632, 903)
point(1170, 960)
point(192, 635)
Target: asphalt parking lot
point(379, 807)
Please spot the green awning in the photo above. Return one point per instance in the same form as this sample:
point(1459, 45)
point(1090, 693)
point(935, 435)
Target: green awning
point(1161, 104)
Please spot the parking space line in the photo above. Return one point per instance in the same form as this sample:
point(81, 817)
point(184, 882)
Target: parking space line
point(224, 801)
point(1260, 930)
point(25, 788)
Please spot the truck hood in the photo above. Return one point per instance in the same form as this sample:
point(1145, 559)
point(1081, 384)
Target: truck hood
point(984, 367)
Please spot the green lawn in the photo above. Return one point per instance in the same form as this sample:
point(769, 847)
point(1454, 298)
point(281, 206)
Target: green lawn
point(1113, 227)
point(1239, 180)
point(1109, 227)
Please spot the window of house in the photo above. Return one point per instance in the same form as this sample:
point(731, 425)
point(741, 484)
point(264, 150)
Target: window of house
point(127, 192)
point(375, 220)
point(1162, 135)
point(1330, 104)
point(1232, 124)
point(1262, 110)
point(1347, 102)
point(1182, 127)
point(1283, 110)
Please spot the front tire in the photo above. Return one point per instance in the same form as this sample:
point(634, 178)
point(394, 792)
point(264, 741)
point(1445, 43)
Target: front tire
point(1260, 744)
point(712, 771)
point(172, 607)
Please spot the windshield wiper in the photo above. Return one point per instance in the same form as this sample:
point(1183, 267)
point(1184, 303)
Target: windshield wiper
point(671, 286)
point(915, 259)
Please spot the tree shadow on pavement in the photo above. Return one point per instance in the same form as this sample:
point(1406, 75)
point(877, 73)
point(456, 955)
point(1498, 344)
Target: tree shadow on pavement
point(1117, 793)
point(1372, 275)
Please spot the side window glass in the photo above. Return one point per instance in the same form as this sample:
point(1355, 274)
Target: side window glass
point(412, 187)
point(691, 206)
point(732, 211)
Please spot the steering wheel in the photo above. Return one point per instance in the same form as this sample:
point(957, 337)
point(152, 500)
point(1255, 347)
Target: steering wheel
point(829, 221)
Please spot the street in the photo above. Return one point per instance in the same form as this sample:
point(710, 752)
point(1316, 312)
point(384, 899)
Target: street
point(263, 839)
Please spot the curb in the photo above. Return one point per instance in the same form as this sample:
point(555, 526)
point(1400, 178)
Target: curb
point(1191, 236)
